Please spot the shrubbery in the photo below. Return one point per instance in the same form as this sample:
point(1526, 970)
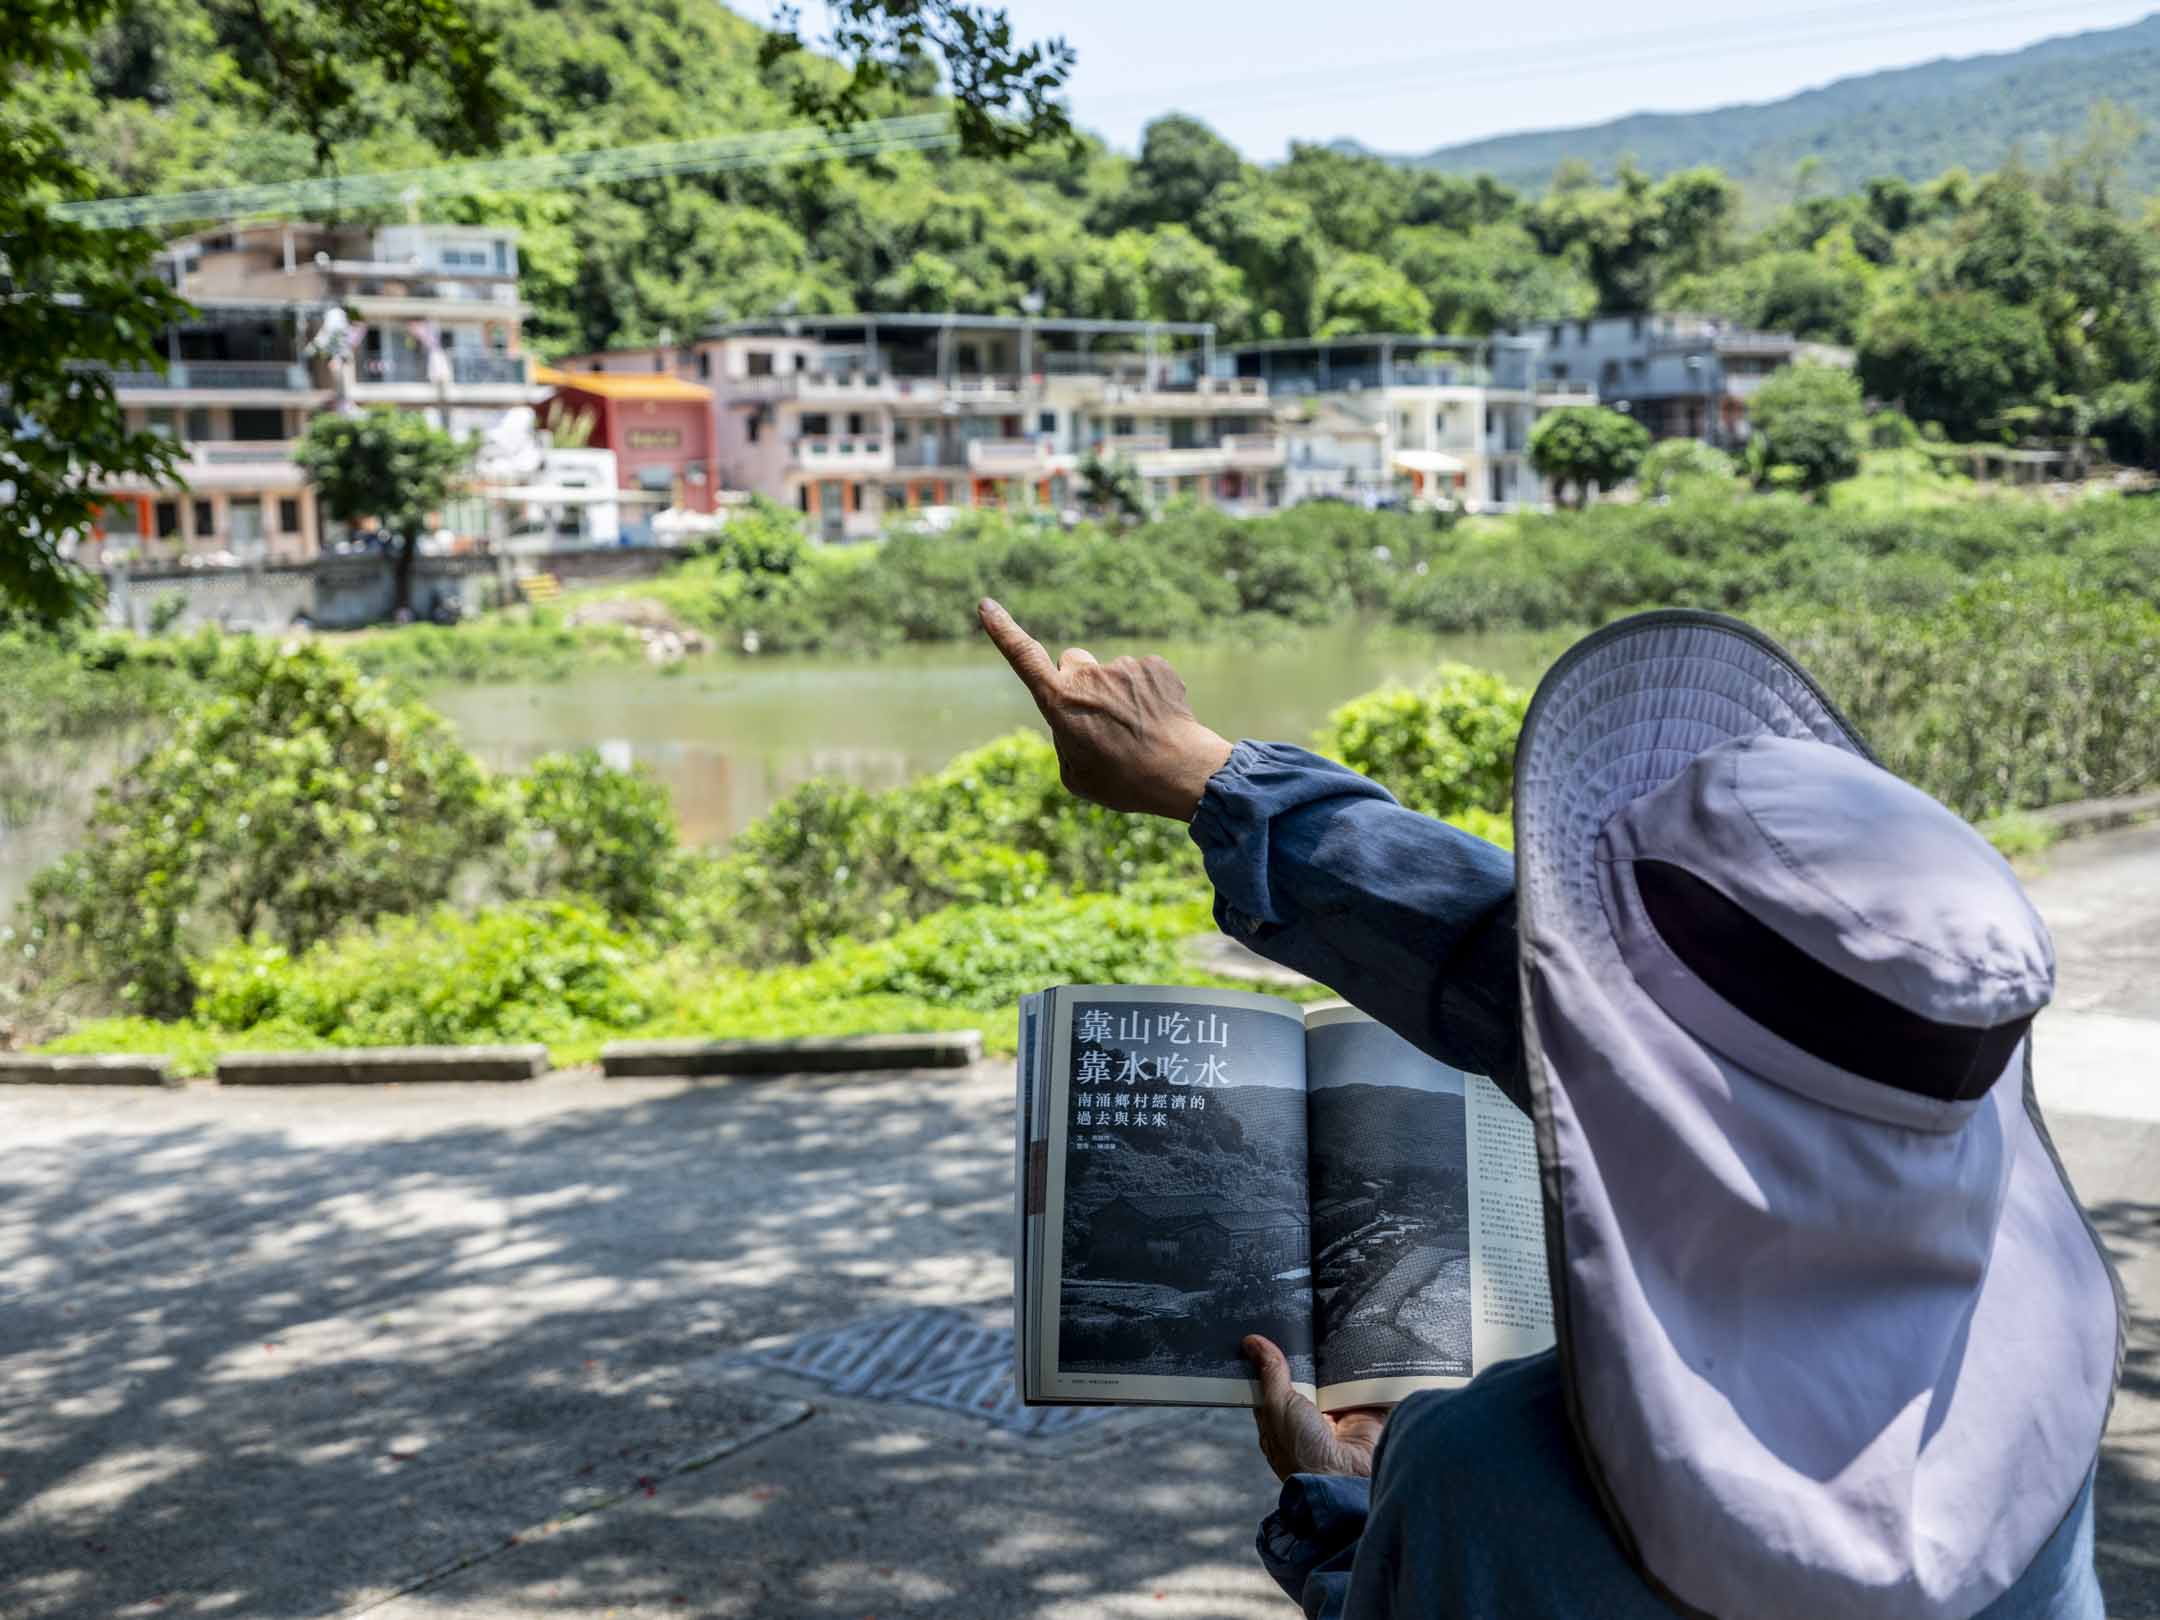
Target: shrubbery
point(2018, 692)
point(1446, 748)
point(296, 798)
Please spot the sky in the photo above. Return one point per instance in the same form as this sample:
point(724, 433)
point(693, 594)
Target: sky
point(1404, 76)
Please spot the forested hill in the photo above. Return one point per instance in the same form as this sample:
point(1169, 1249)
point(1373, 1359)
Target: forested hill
point(1968, 112)
point(2023, 301)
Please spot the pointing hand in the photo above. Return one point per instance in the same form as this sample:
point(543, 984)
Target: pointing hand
point(1125, 735)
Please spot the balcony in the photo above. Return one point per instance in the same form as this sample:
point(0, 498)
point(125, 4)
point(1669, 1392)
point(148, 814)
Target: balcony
point(1253, 449)
point(1127, 446)
point(488, 369)
point(393, 368)
point(1203, 394)
point(1011, 458)
point(816, 387)
point(246, 374)
point(239, 452)
point(840, 455)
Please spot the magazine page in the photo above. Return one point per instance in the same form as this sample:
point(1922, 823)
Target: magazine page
point(1510, 1301)
point(1175, 1207)
point(1390, 1181)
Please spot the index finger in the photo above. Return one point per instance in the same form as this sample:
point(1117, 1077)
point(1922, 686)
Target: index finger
point(1037, 673)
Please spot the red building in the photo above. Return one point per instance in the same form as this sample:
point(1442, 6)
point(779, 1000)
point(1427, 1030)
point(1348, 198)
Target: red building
point(660, 428)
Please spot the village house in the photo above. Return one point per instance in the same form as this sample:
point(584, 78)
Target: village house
point(1188, 1235)
point(1682, 376)
point(857, 421)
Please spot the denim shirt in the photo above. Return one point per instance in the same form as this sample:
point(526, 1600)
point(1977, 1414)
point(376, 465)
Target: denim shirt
point(1479, 1504)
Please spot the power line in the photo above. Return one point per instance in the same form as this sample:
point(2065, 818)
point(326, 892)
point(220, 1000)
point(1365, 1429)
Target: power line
point(1573, 57)
point(546, 171)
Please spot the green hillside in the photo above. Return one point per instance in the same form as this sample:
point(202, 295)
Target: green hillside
point(1914, 122)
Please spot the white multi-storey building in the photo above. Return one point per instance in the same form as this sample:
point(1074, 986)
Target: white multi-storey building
point(857, 420)
point(292, 319)
point(1452, 415)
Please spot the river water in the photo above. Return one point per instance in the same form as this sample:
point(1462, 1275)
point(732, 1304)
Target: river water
point(729, 736)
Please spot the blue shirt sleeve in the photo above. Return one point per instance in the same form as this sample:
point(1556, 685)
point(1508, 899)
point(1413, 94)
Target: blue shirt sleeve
point(1319, 869)
point(1310, 1541)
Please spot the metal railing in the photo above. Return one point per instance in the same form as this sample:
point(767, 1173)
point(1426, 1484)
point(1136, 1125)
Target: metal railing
point(487, 368)
point(218, 374)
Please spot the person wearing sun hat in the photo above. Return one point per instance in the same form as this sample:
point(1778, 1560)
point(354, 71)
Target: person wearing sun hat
point(1834, 1335)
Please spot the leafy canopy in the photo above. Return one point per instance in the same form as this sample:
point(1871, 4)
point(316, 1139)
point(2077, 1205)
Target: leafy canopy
point(1581, 445)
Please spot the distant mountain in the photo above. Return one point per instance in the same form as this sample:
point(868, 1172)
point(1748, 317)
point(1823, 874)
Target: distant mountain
point(1914, 122)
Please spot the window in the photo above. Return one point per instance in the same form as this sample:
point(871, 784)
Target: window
point(1559, 371)
point(1638, 368)
point(198, 423)
point(816, 424)
point(205, 521)
point(168, 519)
point(967, 360)
point(162, 419)
point(245, 514)
point(802, 497)
point(854, 424)
point(1582, 331)
point(704, 363)
point(1635, 327)
point(760, 362)
point(1492, 422)
point(288, 516)
point(1559, 334)
point(751, 424)
point(502, 256)
point(257, 424)
point(657, 363)
point(1120, 426)
point(1046, 422)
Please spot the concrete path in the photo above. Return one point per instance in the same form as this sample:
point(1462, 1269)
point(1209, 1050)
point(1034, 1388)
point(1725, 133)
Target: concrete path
point(474, 1353)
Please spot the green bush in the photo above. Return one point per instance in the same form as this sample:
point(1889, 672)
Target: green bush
point(994, 827)
point(540, 971)
point(1671, 463)
point(1446, 748)
point(593, 831)
point(299, 798)
point(2020, 692)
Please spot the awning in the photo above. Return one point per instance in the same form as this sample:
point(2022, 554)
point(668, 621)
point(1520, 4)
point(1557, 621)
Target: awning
point(1428, 461)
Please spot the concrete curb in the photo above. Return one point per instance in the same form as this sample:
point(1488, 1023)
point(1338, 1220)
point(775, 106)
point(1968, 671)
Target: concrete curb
point(382, 1065)
point(101, 1069)
point(2098, 815)
point(948, 1049)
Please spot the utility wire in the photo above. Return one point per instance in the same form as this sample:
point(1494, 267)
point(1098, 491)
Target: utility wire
point(546, 171)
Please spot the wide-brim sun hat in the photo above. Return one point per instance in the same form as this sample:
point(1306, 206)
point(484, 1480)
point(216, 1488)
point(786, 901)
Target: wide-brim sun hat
point(1836, 1336)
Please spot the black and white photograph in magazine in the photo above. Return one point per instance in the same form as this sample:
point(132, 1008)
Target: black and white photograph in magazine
point(1185, 1215)
point(1390, 1206)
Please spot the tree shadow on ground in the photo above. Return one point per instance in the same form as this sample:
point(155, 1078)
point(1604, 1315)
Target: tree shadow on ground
point(2127, 1540)
point(284, 1357)
point(297, 1355)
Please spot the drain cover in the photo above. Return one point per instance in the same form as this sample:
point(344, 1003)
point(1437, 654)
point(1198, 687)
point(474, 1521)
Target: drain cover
point(932, 1357)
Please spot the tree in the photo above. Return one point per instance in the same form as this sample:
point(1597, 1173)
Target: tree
point(1582, 445)
point(1111, 489)
point(595, 831)
point(386, 464)
point(300, 798)
point(78, 304)
point(1183, 164)
point(1359, 292)
point(1005, 95)
point(1958, 359)
point(1806, 420)
point(1491, 277)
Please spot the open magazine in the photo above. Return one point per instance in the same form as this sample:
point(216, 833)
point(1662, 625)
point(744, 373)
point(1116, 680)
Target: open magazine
point(1196, 1165)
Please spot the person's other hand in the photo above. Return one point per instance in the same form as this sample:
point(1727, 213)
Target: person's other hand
point(1296, 1437)
point(1125, 735)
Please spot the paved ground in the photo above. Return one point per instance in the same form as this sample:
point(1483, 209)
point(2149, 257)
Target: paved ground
point(472, 1353)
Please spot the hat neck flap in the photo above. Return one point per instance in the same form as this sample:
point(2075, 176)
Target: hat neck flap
point(1835, 1335)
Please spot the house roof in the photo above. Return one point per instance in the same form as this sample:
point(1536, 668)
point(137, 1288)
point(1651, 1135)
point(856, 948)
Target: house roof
point(1228, 1213)
point(625, 384)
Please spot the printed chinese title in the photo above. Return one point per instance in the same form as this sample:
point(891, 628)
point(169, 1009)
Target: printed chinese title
point(1158, 1049)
